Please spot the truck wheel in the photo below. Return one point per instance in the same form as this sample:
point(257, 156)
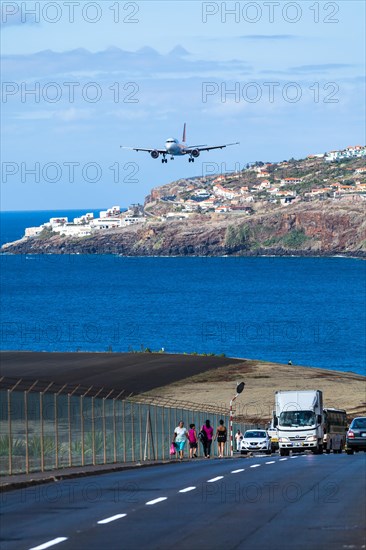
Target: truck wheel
point(350, 451)
point(284, 452)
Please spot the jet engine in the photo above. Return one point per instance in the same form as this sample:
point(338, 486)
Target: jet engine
point(195, 153)
point(154, 154)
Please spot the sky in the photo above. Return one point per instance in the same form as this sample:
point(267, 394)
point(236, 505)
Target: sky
point(80, 79)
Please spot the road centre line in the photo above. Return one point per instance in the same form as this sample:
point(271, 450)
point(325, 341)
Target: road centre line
point(112, 518)
point(237, 471)
point(156, 500)
point(271, 462)
point(282, 459)
point(187, 489)
point(49, 543)
point(214, 479)
point(255, 465)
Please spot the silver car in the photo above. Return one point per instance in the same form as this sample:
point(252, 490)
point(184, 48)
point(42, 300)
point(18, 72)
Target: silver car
point(356, 436)
point(255, 440)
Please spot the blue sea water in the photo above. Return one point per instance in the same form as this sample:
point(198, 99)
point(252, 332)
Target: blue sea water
point(307, 310)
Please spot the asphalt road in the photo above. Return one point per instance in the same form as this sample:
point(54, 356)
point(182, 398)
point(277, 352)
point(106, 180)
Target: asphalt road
point(261, 502)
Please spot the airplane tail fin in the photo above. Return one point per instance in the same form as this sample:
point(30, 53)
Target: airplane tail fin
point(184, 133)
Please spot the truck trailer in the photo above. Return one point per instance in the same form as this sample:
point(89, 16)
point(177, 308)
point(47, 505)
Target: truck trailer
point(299, 420)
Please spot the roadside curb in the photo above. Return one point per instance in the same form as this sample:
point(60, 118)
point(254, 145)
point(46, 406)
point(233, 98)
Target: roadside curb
point(49, 477)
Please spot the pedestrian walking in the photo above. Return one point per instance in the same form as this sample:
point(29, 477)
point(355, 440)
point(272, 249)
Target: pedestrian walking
point(221, 437)
point(206, 440)
point(238, 438)
point(192, 438)
point(180, 438)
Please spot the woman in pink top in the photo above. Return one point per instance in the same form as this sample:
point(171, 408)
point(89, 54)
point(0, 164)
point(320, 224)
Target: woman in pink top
point(192, 438)
point(208, 430)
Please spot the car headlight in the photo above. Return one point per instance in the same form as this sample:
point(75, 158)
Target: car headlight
point(284, 440)
point(311, 438)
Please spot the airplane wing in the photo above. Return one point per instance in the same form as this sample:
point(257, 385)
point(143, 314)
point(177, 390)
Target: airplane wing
point(200, 148)
point(160, 151)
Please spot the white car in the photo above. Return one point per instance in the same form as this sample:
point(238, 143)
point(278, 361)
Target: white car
point(256, 440)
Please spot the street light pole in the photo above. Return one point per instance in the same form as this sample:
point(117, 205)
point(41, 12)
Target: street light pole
point(239, 389)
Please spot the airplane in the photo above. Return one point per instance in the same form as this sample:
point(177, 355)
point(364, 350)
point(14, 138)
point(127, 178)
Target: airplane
point(174, 148)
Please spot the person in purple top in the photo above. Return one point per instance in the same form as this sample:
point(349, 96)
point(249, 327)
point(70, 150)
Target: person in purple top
point(192, 438)
point(206, 443)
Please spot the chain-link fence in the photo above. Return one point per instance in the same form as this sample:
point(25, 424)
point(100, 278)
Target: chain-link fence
point(44, 431)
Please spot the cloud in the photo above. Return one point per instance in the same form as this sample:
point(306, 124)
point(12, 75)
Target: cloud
point(144, 64)
point(324, 67)
point(269, 37)
point(66, 115)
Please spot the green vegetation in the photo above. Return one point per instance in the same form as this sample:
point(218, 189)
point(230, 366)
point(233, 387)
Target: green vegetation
point(47, 234)
point(293, 239)
point(237, 237)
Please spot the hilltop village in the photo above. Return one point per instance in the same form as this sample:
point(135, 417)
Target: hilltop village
point(336, 175)
point(312, 206)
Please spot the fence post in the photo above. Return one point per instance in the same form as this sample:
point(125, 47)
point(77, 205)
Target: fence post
point(56, 427)
point(82, 427)
point(93, 430)
point(140, 430)
point(114, 432)
point(41, 426)
point(163, 432)
point(132, 432)
point(26, 432)
point(104, 432)
point(124, 429)
point(69, 427)
point(10, 438)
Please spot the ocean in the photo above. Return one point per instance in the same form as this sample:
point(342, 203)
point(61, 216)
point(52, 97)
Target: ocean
point(310, 311)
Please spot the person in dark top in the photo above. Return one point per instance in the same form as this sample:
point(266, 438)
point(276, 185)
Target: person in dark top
point(221, 436)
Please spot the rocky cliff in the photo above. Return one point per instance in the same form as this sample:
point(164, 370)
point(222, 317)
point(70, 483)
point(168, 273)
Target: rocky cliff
point(321, 228)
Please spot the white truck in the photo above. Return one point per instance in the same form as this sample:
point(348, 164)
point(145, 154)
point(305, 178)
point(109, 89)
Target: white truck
point(299, 421)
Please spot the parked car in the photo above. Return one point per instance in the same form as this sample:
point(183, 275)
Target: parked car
point(356, 436)
point(256, 440)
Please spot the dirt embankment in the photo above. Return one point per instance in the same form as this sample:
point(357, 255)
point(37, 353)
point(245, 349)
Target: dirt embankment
point(321, 228)
point(217, 387)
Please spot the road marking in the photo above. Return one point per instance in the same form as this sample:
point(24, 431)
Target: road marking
point(214, 479)
point(156, 500)
point(187, 489)
point(282, 459)
point(112, 518)
point(294, 457)
point(237, 471)
point(49, 543)
point(271, 462)
point(255, 465)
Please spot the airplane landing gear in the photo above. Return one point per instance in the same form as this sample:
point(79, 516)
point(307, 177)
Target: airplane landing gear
point(164, 160)
point(191, 159)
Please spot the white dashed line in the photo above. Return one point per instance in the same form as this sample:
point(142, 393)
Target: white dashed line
point(255, 465)
point(214, 479)
point(156, 500)
point(271, 462)
point(237, 471)
point(282, 459)
point(112, 518)
point(187, 489)
point(294, 457)
point(49, 543)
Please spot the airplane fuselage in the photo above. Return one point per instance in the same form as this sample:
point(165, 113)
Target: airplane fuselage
point(174, 148)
